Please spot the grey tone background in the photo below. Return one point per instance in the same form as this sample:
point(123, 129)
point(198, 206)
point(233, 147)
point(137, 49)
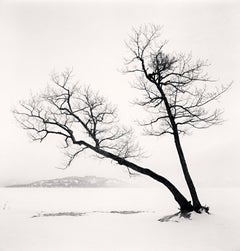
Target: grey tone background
point(38, 37)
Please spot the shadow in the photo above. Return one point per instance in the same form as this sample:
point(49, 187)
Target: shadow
point(76, 214)
point(175, 217)
point(58, 214)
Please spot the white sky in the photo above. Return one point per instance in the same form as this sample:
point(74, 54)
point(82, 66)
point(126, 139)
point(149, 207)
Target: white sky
point(38, 37)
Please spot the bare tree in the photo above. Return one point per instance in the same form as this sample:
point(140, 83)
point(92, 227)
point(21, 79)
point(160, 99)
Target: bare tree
point(177, 93)
point(85, 120)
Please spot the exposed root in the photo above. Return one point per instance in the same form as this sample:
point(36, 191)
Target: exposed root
point(185, 214)
point(205, 209)
point(202, 209)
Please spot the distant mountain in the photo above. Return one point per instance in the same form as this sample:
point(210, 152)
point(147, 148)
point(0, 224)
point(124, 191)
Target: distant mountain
point(87, 181)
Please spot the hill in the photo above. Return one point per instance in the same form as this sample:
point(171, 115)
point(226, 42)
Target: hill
point(87, 181)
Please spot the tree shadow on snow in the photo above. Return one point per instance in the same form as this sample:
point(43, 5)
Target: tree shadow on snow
point(175, 217)
point(76, 214)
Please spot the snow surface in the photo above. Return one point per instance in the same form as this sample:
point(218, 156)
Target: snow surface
point(34, 219)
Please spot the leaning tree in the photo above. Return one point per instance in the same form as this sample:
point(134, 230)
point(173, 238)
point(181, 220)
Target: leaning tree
point(85, 121)
point(177, 93)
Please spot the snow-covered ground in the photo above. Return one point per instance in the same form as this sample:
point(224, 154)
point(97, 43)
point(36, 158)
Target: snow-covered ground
point(34, 219)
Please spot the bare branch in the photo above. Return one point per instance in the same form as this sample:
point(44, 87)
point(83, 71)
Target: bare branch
point(76, 113)
point(175, 89)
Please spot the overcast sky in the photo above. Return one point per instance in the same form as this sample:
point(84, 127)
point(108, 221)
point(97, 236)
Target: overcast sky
point(38, 37)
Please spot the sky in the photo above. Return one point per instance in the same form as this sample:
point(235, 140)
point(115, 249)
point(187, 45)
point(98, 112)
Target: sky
point(39, 37)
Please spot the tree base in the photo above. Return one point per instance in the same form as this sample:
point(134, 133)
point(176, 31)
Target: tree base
point(201, 209)
point(184, 214)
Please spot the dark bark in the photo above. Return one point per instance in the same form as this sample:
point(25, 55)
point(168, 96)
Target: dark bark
point(184, 204)
point(196, 203)
point(182, 104)
point(195, 200)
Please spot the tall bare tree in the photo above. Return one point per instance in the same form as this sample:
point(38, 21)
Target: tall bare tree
point(177, 93)
point(85, 120)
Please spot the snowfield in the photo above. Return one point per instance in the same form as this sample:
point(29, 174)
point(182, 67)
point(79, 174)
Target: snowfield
point(112, 219)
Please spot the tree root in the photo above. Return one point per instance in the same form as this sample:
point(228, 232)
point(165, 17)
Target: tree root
point(185, 214)
point(202, 209)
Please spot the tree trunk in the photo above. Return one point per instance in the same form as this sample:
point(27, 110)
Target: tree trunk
point(184, 204)
point(196, 203)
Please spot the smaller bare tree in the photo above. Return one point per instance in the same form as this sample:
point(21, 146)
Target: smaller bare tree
point(177, 93)
point(85, 120)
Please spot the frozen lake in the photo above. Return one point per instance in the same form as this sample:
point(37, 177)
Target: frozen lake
point(34, 219)
point(31, 200)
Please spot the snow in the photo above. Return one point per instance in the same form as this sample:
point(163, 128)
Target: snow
point(34, 219)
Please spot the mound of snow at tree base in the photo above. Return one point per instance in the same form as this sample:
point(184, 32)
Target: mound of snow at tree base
point(114, 219)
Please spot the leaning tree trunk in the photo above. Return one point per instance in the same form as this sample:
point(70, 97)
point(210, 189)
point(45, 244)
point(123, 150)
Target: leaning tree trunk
point(184, 204)
point(195, 200)
point(196, 203)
